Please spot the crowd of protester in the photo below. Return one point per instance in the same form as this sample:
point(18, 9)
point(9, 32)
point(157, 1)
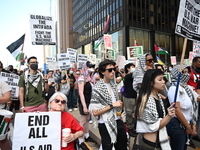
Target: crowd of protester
point(134, 101)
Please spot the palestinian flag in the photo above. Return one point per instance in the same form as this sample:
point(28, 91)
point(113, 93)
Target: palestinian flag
point(106, 28)
point(160, 50)
point(16, 47)
point(100, 40)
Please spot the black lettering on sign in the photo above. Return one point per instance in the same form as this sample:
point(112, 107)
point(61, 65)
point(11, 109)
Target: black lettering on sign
point(37, 133)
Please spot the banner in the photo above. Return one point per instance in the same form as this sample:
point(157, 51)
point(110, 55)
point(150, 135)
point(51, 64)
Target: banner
point(188, 19)
point(81, 59)
point(63, 61)
point(37, 131)
point(107, 41)
point(42, 30)
point(110, 54)
point(173, 60)
point(134, 51)
point(72, 54)
point(12, 80)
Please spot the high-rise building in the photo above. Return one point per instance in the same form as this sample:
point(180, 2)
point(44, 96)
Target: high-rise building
point(148, 22)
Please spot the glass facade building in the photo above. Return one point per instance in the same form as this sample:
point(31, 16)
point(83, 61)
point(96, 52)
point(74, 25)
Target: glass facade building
point(148, 22)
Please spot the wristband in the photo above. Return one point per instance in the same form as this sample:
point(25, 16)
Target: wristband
point(22, 107)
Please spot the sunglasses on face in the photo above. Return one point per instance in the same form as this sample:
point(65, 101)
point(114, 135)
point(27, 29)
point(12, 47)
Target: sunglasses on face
point(58, 101)
point(111, 69)
point(150, 60)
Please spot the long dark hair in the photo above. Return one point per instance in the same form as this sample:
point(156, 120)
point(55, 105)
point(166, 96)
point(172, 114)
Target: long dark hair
point(146, 89)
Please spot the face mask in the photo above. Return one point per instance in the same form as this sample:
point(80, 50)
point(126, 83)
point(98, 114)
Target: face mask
point(34, 66)
point(132, 70)
point(77, 72)
point(90, 70)
point(70, 72)
point(11, 69)
point(170, 69)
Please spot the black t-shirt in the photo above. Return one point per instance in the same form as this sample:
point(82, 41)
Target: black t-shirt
point(129, 92)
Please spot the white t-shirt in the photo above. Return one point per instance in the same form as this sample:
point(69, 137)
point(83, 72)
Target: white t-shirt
point(109, 88)
point(3, 89)
point(184, 99)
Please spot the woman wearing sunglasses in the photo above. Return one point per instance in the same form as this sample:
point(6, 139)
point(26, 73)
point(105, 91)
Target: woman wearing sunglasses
point(145, 62)
point(57, 102)
point(150, 112)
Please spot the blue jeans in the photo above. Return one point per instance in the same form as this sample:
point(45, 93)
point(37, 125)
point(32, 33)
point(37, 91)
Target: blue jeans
point(178, 136)
point(71, 100)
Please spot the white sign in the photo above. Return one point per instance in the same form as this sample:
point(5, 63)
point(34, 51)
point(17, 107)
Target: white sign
point(196, 49)
point(121, 60)
point(63, 61)
point(188, 19)
point(107, 41)
point(37, 131)
point(173, 60)
point(81, 59)
point(53, 66)
point(12, 80)
point(42, 30)
point(92, 58)
point(50, 59)
point(72, 54)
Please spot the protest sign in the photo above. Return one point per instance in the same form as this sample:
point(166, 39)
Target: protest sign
point(188, 19)
point(50, 59)
point(42, 30)
point(53, 65)
point(173, 60)
point(110, 54)
point(12, 80)
point(134, 51)
point(190, 57)
point(37, 131)
point(72, 54)
point(92, 58)
point(196, 49)
point(63, 61)
point(81, 59)
point(107, 41)
point(121, 60)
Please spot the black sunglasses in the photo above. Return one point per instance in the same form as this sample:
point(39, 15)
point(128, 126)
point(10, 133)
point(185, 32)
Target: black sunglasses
point(150, 60)
point(58, 101)
point(111, 69)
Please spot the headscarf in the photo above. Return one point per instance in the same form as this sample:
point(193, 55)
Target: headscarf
point(183, 82)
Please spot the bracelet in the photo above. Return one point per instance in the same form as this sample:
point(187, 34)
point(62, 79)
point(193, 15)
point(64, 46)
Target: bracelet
point(22, 108)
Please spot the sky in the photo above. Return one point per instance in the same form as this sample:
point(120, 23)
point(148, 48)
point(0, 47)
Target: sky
point(14, 15)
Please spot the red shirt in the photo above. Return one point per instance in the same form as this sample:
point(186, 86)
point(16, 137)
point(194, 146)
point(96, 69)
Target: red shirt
point(192, 81)
point(68, 121)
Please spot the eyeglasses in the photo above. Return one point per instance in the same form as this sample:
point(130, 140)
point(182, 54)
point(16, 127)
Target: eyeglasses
point(111, 69)
point(150, 60)
point(34, 62)
point(58, 101)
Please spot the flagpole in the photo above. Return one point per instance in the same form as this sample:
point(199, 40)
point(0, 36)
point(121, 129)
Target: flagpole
point(180, 68)
point(45, 71)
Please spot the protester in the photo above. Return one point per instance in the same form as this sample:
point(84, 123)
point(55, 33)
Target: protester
point(52, 85)
point(184, 123)
point(58, 77)
point(150, 112)
point(32, 87)
point(129, 97)
point(106, 106)
point(85, 91)
point(57, 102)
point(2, 69)
point(5, 96)
point(146, 62)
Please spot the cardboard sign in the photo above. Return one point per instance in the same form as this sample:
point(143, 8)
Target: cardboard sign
point(37, 131)
point(173, 60)
point(42, 30)
point(12, 80)
point(134, 51)
point(188, 19)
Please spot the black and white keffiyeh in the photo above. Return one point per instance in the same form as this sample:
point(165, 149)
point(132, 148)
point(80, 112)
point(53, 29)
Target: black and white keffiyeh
point(151, 117)
point(32, 79)
point(100, 99)
point(183, 82)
